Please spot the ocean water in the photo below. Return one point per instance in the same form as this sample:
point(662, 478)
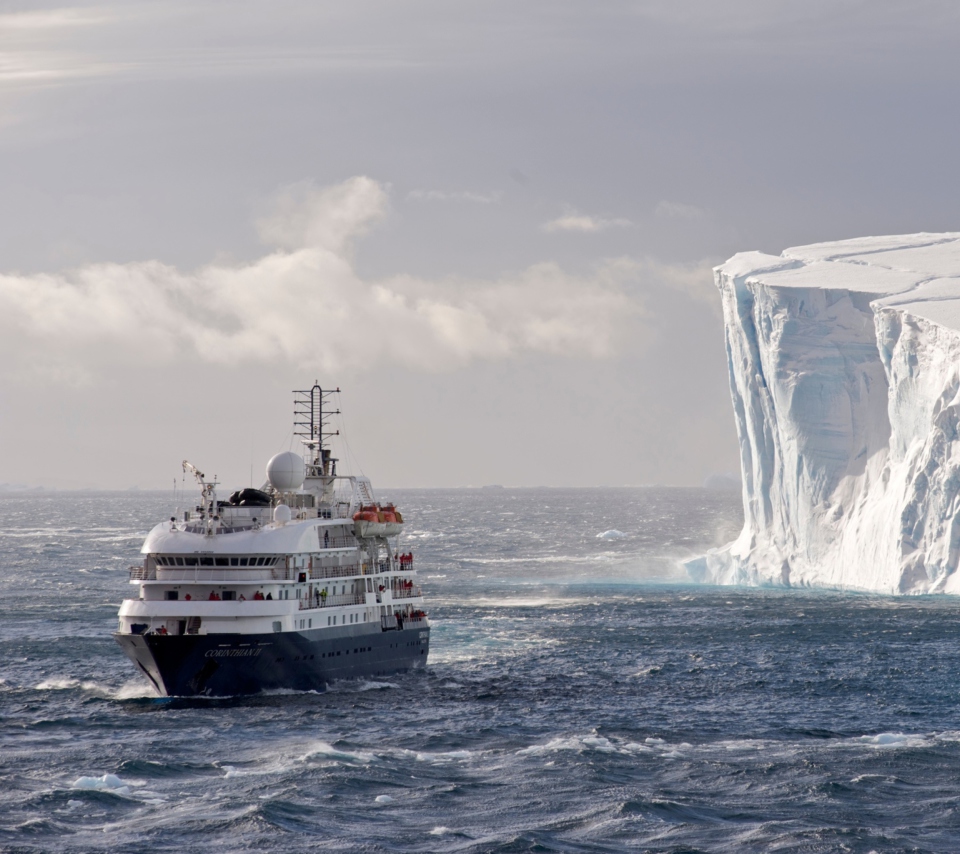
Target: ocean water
point(580, 696)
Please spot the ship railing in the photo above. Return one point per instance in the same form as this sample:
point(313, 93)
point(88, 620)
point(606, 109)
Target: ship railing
point(338, 571)
point(407, 592)
point(332, 601)
point(338, 542)
point(141, 573)
point(215, 574)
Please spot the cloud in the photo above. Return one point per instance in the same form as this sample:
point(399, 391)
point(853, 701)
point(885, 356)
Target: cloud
point(574, 221)
point(455, 196)
point(304, 303)
point(305, 216)
point(676, 210)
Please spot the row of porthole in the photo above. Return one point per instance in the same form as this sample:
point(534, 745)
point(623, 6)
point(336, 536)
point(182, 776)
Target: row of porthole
point(331, 655)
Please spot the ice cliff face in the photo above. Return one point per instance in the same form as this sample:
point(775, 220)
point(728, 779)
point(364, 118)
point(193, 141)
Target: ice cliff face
point(844, 363)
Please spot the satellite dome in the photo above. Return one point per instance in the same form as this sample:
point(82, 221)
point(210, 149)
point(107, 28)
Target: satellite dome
point(286, 471)
point(281, 514)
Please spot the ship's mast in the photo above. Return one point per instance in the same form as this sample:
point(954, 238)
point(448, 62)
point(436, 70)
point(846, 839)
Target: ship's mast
point(311, 421)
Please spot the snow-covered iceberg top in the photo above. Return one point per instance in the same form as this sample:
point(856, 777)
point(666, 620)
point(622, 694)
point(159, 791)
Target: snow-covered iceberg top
point(844, 363)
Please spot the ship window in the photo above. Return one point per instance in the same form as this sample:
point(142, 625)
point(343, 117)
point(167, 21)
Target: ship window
point(334, 620)
point(328, 621)
point(179, 561)
point(229, 595)
point(222, 561)
point(206, 561)
point(243, 561)
point(234, 561)
point(309, 624)
point(171, 595)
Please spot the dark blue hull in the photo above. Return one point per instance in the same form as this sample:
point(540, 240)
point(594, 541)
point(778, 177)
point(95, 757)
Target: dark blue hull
point(227, 665)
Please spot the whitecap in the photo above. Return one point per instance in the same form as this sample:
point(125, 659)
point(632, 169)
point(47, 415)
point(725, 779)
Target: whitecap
point(324, 750)
point(612, 534)
point(352, 686)
point(599, 743)
point(439, 831)
point(892, 740)
point(384, 799)
point(440, 758)
point(135, 689)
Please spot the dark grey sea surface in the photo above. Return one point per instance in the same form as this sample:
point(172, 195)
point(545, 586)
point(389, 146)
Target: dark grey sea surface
point(581, 695)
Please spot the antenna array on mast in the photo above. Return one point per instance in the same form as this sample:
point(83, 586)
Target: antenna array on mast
point(311, 420)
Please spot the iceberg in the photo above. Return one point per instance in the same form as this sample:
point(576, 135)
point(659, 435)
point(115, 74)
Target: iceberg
point(844, 368)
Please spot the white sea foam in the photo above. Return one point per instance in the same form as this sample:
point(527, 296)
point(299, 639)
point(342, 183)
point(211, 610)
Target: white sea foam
point(133, 690)
point(574, 743)
point(652, 670)
point(130, 690)
point(352, 686)
point(65, 684)
point(889, 740)
point(444, 758)
point(439, 831)
point(612, 534)
point(384, 799)
point(324, 750)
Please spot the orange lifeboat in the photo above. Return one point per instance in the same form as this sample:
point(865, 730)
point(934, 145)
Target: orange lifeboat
point(373, 520)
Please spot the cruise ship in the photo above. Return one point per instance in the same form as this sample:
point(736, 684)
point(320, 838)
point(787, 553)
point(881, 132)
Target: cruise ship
point(290, 586)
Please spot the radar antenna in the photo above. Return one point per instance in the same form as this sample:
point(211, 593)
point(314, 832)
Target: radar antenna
point(310, 422)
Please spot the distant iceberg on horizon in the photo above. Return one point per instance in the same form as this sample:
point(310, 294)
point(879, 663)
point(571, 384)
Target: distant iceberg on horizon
point(844, 367)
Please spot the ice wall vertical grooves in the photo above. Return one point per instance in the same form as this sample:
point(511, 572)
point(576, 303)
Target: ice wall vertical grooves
point(846, 396)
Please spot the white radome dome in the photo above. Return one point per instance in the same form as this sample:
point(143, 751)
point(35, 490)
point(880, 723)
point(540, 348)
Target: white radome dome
point(286, 471)
point(281, 514)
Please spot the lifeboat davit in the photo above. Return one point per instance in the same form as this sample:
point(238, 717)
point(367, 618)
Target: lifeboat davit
point(376, 521)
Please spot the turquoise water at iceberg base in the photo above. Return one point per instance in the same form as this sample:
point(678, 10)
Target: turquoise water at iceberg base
point(580, 696)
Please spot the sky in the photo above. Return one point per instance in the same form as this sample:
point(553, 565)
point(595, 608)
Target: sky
point(490, 224)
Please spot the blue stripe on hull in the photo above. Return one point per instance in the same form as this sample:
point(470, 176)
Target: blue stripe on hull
point(227, 665)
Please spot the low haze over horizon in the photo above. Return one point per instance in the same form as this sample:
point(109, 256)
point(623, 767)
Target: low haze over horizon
point(491, 225)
